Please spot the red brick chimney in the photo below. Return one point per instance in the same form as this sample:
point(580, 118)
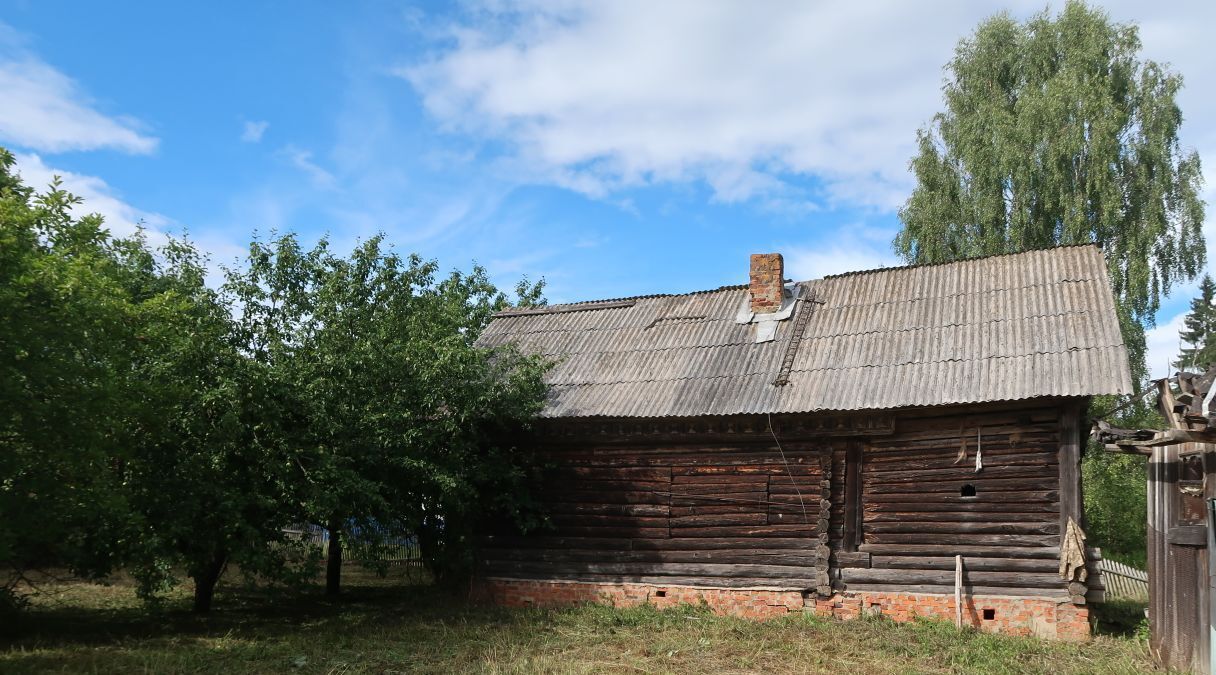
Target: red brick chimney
point(768, 279)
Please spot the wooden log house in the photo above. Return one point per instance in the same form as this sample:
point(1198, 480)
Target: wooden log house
point(845, 445)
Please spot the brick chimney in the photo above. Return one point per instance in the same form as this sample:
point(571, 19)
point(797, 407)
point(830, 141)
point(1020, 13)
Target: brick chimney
point(767, 281)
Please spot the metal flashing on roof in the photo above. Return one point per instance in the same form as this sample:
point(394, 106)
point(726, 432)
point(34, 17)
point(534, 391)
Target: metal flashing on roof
point(1035, 324)
point(766, 323)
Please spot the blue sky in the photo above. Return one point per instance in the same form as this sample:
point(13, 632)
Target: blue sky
point(613, 148)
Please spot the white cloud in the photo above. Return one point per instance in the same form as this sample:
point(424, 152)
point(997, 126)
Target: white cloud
point(120, 217)
point(852, 248)
point(302, 160)
point(600, 96)
point(47, 111)
point(253, 131)
point(1163, 346)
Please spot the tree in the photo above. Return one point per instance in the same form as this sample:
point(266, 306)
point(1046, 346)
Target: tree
point(211, 480)
point(1200, 329)
point(399, 413)
point(1056, 132)
point(67, 342)
point(135, 431)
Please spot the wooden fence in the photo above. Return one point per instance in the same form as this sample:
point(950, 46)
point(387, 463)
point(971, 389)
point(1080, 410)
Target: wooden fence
point(1123, 582)
point(394, 552)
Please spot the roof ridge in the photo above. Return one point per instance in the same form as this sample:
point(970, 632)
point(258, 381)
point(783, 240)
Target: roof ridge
point(875, 270)
point(961, 260)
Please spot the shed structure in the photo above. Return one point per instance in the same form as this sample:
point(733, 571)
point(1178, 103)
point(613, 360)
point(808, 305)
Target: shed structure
point(877, 442)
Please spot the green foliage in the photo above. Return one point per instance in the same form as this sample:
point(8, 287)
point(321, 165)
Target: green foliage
point(1199, 330)
point(69, 334)
point(153, 423)
point(1056, 132)
point(396, 414)
point(1115, 504)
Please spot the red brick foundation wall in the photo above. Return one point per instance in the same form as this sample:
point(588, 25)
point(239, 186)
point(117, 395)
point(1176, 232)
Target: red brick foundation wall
point(1040, 617)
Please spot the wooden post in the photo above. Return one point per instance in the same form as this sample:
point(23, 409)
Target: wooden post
point(958, 591)
point(852, 496)
point(1070, 466)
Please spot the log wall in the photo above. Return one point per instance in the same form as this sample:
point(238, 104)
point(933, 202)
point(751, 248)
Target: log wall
point(724, 516)
point(916, 517)
point(729, 512)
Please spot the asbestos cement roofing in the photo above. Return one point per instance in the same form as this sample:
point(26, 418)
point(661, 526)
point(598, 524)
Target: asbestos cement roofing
point(1040, 323)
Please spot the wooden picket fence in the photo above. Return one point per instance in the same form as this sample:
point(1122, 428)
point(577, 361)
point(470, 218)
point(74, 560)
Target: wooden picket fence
point(1123, 582)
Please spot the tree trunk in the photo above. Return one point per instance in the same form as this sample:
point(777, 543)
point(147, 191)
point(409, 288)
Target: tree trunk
point(333, 567)
point(205, 580)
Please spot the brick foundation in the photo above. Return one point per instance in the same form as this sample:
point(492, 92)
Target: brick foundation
point(1041, 617)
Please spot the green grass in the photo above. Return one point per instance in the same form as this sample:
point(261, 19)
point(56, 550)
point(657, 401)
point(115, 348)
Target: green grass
point(393, 626)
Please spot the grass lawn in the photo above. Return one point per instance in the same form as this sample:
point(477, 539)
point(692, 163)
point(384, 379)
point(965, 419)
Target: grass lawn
point(394, 626)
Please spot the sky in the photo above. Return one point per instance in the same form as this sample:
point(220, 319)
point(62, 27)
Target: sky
point(612, 148)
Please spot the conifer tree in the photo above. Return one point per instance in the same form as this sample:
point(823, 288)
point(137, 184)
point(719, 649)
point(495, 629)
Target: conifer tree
point(1199, 331)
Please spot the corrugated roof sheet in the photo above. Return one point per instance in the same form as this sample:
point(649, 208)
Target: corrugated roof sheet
point(1040, 323)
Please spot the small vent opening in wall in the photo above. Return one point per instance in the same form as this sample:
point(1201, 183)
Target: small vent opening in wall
point(967, 491)
point(660, 594)
point(989, 614)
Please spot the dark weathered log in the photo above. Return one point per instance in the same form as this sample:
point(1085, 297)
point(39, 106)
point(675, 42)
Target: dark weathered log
point(946, 578)
point(717, 479)
point(965, 473)
point(718, 490)
point(981, 482)
point(1007, 515)
point(720, 519)
point(784, 557)
point(973, 591)
point(711, 508)
point(563, 521)
point(955, 498)
point(562, 486)
point(700, 543)
point(962, 528)
point(790, 530)
point(549, 541)
point(944, 549)
point(612, 509)
point(966, 539)
point(683, 569)
point(609, 497)
point(972, 506)
point(977, 563)
point(611, 531)
point(662, 474)
point(701, 582)
point(851, 559)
